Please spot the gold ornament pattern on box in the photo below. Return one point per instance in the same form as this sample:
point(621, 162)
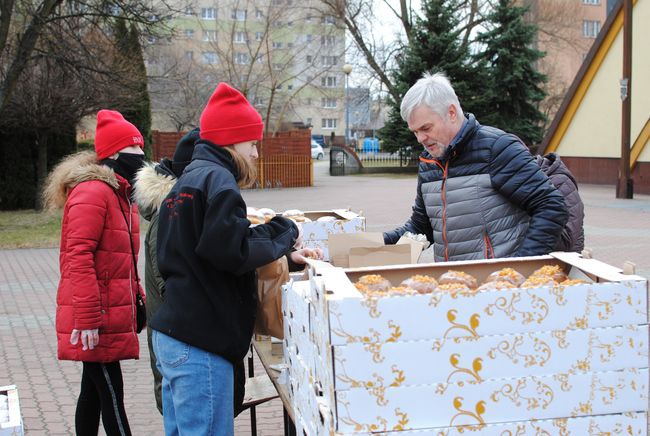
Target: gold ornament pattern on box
point(470, 328)
point(531, 391)
point(510, 349)
point(381, 425)
point(477, 414)
point(508, 304)
point(373, 341)
point(375, 387)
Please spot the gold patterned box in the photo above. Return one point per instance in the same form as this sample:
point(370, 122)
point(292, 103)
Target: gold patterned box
point(470, 359)
point(631, 424)
point(315, 233)
point(609, 299)
point(492, 401)
point(535, 356)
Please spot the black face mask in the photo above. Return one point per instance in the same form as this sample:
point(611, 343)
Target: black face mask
point(126, 165)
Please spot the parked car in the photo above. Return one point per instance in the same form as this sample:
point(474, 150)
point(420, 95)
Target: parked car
point(320, 139)
point(316, 150)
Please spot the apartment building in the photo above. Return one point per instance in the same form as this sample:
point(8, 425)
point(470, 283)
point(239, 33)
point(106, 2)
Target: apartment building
point(286, 56)
point(567, 30)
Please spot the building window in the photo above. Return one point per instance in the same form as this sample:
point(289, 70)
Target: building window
point(240, 37)
point(289, 44)
point(208, 13)
point(327, 40)
point(328, 19)
point(590, 28)
point(328, 61)
point(258, 101)
point(277, 2)
point(328, 123)
point(309, 37)
point(189, 55)
point(328, 81)
point(308, 18)
point(309, 59)
point(209, 35)
point(289, 87)
point(328, 103)
point(210, 57)
point(590, 2)
point(241, 58)
point(189, 33)
point(260, 59)
point(189, 11)
point(308, 121)
point(277, 45)
point(259, 36)
point(308, 101)
point(239, 14)
point(259, 14)
point(277, 67)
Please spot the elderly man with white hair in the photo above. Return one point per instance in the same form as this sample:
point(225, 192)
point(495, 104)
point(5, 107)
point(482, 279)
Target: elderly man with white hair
point(480, 193)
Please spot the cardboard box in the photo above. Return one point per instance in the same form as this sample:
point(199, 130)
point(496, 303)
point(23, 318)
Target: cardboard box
point(11, 421)
point(316, 233)
point(610, 300)
point(614, 424)
point(472, 360)
point(511, 360)
point(368, 249)
point(493, 401)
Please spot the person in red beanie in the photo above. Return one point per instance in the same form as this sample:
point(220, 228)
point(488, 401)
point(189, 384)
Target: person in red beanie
point(207, 255)
point(96, 319)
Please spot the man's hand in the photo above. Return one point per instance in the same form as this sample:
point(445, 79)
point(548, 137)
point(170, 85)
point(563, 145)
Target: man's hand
point(303, 254)
point(89, 338)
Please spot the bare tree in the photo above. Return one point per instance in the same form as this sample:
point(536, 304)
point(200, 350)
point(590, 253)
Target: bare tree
point(23, 23)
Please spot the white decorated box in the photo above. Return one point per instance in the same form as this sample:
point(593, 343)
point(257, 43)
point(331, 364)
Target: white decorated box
point(315, 233)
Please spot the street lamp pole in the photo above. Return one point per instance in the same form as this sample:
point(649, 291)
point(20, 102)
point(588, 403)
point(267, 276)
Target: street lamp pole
point(347, 69)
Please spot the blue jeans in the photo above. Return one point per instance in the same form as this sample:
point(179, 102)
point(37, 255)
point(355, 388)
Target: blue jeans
point(197, 389)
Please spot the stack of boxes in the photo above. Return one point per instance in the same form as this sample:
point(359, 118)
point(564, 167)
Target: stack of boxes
point(316, 233)
point(11, 422)
point(562, 359)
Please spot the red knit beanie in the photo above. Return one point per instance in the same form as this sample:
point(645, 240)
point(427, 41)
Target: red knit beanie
point(113, 133)
point(229, 118)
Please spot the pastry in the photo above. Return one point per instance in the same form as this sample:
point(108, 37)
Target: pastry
point(552, 271)
point(537, 281)
point(421, 283)
point(458, 277)
point(496, 285)
point(373, 283)
point(254, 216)
point(326, 219)
point(453, 287)
point(295, 215)
point(268, 213)
point(506, 275)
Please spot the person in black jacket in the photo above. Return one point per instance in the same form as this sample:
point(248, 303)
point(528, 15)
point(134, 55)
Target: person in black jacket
point(480, 193)
point(207, 255)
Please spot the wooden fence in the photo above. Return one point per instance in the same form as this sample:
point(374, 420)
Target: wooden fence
point(284, 162)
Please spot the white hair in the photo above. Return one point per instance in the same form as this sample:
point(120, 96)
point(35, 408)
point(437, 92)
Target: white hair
point(432, 90)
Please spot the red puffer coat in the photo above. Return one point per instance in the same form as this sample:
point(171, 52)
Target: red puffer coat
point(98, 280)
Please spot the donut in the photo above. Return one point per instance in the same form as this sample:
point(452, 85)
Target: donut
point(460, 277)
point(423, 284)
point(506, 275)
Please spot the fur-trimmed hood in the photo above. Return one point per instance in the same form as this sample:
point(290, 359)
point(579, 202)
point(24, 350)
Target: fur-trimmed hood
point(74, 169)
point(152, 184)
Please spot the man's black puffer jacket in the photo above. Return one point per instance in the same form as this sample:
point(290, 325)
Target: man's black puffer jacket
point(486, 197)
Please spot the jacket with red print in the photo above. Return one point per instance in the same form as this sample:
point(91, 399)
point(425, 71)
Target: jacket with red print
point(98, 281)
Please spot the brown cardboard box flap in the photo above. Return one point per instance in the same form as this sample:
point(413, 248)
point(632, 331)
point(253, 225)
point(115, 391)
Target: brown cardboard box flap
point(384, 255)
point(340, 244)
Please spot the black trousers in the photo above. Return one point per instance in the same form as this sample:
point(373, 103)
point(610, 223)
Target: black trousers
point(102, 391)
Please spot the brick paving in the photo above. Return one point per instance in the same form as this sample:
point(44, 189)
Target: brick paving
point(616, 230)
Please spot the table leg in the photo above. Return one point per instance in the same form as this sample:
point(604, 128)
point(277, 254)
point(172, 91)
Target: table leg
point(251, 373)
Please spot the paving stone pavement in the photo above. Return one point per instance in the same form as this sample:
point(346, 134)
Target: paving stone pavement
point(616, 230)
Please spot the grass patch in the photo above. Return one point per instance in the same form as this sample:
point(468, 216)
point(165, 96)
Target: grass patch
point(29, 229)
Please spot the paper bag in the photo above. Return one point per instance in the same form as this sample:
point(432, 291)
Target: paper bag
point(270, 279)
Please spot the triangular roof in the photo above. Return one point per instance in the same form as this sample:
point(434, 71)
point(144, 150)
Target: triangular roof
point(600, 53)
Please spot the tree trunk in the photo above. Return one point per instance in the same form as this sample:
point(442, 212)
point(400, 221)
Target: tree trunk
point(41, 166)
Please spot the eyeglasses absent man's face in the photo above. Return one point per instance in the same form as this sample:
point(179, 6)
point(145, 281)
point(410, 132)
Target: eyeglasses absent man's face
point(434, 132)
